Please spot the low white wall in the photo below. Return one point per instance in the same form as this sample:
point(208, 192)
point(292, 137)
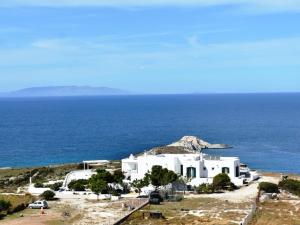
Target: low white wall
point(37, 191)
point(81, 195)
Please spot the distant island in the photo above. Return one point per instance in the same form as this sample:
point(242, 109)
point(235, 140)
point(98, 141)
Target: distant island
point(60, 91)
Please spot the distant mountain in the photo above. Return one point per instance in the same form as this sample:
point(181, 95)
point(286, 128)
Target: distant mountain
point(56, 91)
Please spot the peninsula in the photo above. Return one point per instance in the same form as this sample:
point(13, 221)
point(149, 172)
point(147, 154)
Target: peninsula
point(187, 144)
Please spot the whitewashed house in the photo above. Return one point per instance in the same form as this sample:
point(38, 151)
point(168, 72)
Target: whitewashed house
point(200, 168)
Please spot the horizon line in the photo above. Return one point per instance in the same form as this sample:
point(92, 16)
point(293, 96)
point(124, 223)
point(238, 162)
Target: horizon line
point(149, 94)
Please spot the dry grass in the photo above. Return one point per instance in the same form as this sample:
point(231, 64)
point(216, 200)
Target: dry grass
point(193, 211)
point(284, 212)
point(17, 199)
point(64, 221)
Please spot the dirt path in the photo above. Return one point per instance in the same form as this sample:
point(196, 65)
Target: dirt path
point(243, 194)
point(34, 219)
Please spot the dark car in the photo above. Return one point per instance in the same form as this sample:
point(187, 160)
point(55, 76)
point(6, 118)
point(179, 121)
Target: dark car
point(155, 198)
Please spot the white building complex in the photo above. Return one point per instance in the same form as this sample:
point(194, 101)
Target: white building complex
point(200, 168)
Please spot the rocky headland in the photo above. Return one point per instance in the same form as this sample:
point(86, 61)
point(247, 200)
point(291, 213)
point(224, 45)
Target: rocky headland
point(187, 144)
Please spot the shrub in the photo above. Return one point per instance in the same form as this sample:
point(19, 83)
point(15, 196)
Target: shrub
point(17, 208)
point(118, 176)
point(115, 192)
point(290, 185)
point(97, 185)
point(232, 187)
point(205, 189)
point(78, 185)
point(48, 195)
point(104, 175)
point(4, 205)
point(221, 181)
point(38, 185)
point(268, 187)
point(55, 186)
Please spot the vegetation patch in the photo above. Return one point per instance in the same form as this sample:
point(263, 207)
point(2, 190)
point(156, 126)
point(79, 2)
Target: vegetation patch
point(48, 195)
point(10, 204)
point(290, 185)
point(206, 211)
point(277, 213)
point(268, 187)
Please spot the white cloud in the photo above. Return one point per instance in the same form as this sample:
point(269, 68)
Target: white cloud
point(247, 5)
point(192, 54)
point(48, 44)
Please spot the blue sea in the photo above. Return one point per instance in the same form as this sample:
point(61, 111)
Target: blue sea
point(263, 128)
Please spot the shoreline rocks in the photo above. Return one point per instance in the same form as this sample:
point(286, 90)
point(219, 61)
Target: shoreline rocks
point(195, 143)
point(187, 144)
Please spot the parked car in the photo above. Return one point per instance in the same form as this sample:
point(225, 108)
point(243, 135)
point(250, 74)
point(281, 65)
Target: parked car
point(155, 198)
point(38, 205)
point(143, 196)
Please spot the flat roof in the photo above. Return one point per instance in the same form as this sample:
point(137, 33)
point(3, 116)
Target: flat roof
point(95, 161)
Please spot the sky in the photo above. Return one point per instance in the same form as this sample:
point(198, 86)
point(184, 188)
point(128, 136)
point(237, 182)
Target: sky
point(152, 46)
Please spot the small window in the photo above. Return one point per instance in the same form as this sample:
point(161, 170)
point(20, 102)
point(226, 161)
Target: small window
point(204, 168)
point(237, 171)
point(225, 170)
point(213, 168)
point(191, 172)
point(181, 170)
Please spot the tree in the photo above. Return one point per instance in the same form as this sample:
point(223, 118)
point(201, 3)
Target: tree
point(221, 181)
point(118, 177)
point(78, 185)
point(104, 175)
point(97, 185)
point(139, 184)
point(48, 195)
point(4, 205)
point(161, 176)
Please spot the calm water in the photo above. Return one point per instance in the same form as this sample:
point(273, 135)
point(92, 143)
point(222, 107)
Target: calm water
point(263, 128)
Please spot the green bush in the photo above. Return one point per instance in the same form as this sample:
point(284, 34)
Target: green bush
point(104, 175)
point(4, 205)
point(17, 208)
point(268, 187)
point(232, 187)
point(55, 186)
point(221, 182)
point(205, 189)
point(118, 176)
point(290, 185)
point(38, 185)
point(78, 185)
point(48, 195)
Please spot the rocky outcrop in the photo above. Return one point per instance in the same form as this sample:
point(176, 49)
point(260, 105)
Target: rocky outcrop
point(187, 144)
point(194, 143)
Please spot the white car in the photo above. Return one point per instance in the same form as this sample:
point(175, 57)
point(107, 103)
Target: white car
point(38, 205)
